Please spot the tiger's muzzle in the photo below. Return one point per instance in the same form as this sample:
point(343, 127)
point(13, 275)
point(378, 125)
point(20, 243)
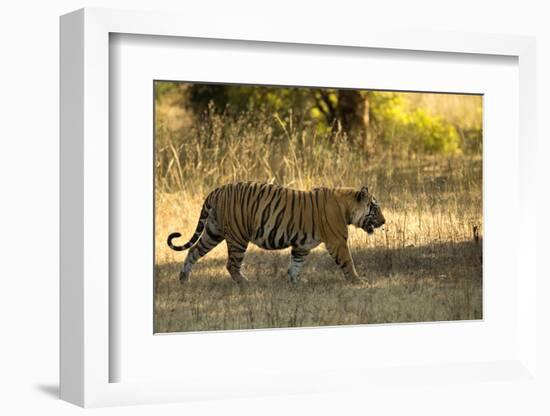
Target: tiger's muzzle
point(372, 221)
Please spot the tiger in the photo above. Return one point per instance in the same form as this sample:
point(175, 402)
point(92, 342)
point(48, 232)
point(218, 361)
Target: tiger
point(274, 217)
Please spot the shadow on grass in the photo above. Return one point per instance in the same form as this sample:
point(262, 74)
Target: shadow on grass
point(460, 260)
point(436, 282)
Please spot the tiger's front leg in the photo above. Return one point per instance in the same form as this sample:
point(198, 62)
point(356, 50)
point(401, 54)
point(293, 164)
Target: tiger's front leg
point(297, 257)
point(342, 256)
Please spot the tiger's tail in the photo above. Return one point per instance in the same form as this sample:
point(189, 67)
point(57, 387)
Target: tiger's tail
point(196, 235)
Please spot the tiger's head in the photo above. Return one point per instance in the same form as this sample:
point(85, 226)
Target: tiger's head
point(366, 212)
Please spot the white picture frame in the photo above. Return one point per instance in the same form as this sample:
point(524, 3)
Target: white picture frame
point(85, 165)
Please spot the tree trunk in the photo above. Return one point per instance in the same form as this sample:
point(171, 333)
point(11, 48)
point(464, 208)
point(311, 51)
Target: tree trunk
point(351, 110)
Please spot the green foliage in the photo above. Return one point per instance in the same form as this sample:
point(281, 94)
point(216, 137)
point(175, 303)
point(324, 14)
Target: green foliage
point(234, 100)
point(376, 123)
point(408, 130)
point(434, 134)
point(164, 88)
point(325, 108)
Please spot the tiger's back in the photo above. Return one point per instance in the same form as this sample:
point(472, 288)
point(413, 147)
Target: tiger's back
point(270, 216)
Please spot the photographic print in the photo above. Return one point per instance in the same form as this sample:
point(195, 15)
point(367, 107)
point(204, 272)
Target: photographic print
point(280, 207)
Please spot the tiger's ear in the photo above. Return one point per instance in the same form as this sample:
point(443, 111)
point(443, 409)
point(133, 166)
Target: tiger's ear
point(362, 194)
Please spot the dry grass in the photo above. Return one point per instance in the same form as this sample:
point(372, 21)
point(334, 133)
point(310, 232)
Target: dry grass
point(424, 266)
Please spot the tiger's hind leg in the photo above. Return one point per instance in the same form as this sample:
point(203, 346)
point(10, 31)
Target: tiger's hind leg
point(297, 258)
point(208, 240)
point(235, 257)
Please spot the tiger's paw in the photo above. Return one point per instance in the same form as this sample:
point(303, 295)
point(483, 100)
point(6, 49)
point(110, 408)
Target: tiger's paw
point(297, 280)
point(240, 279)
point(357, 280)
point(184, 277)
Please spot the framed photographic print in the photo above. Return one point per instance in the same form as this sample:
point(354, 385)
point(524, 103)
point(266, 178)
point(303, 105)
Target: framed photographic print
point(296, 168)
point(290, 203)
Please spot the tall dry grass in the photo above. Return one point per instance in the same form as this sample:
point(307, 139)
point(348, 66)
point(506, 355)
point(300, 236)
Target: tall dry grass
point(425, 265)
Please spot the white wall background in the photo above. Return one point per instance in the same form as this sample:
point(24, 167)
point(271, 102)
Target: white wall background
point(29, 203)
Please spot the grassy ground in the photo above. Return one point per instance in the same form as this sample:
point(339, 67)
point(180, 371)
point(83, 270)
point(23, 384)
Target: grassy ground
point(424, 266)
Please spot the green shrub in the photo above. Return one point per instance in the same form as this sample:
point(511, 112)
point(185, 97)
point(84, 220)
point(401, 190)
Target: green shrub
point(406, 131)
